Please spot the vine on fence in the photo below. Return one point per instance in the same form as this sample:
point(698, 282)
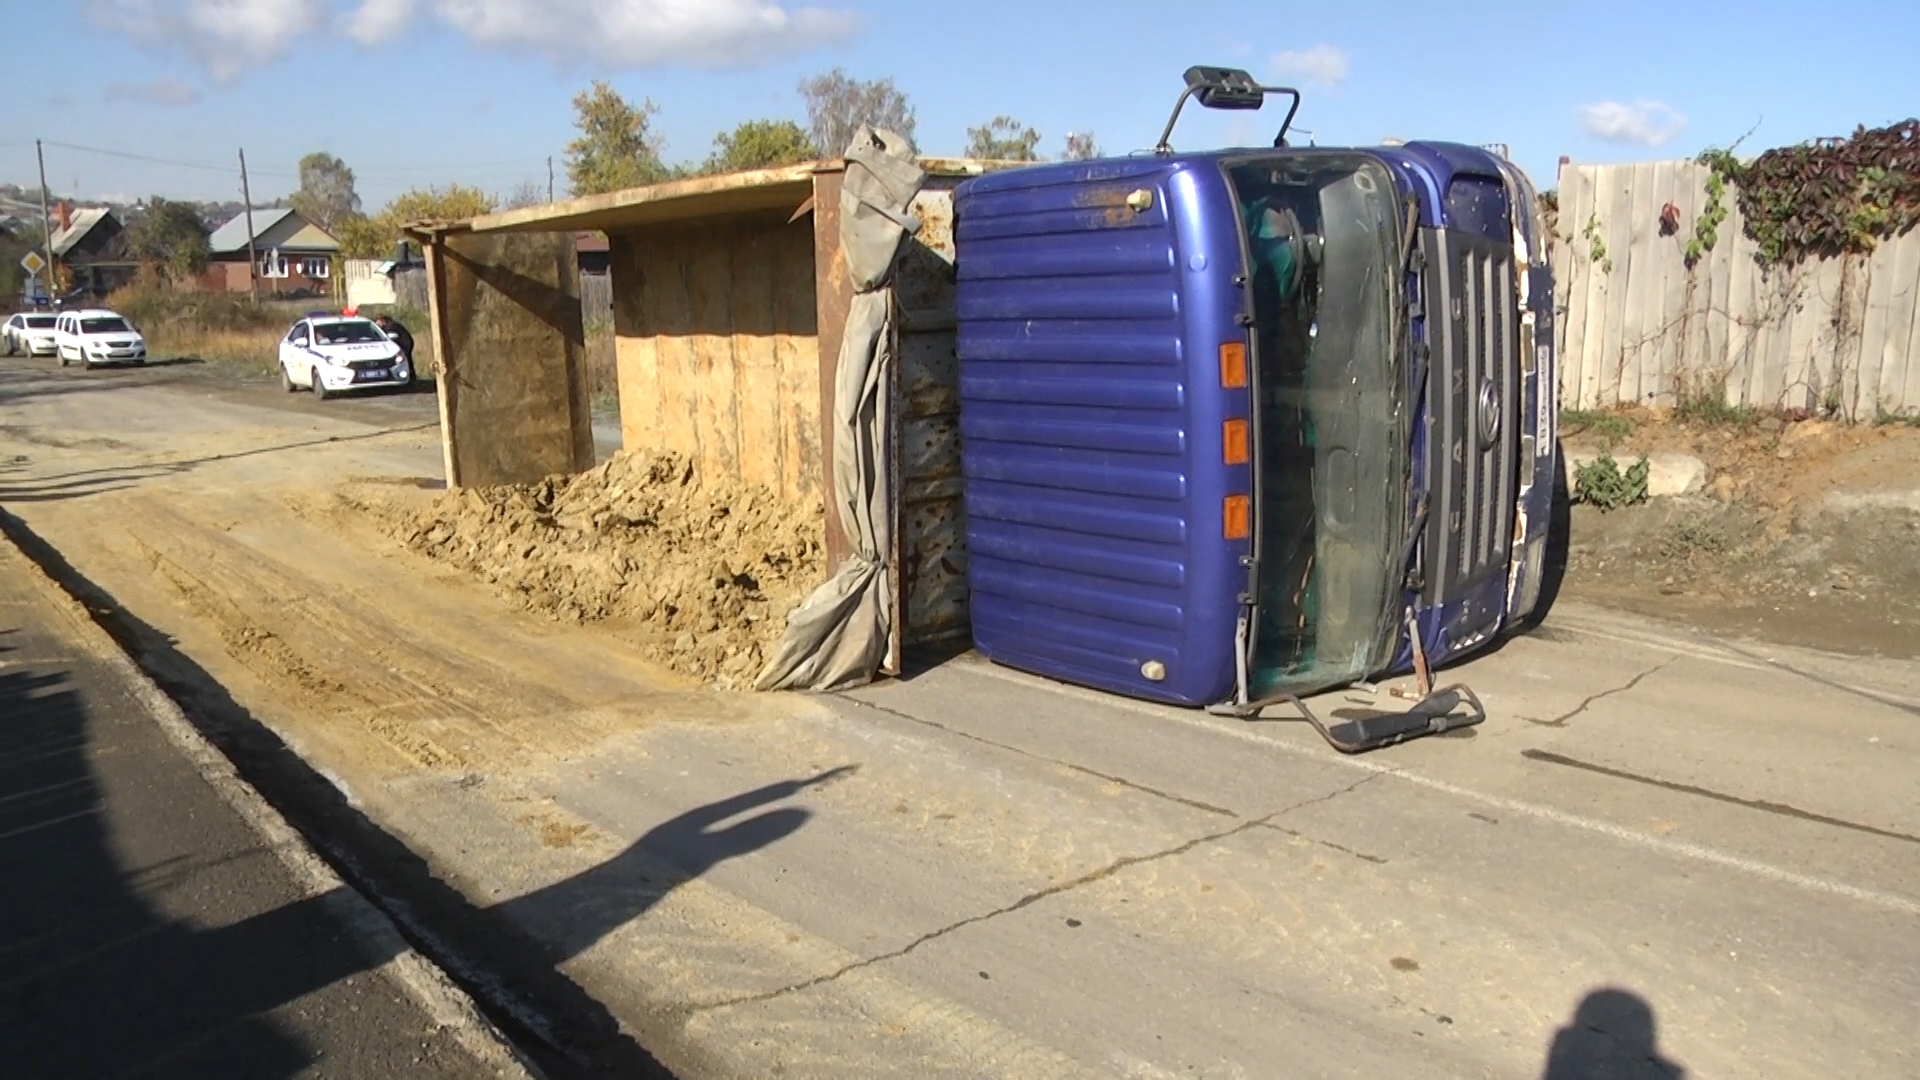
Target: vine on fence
point(1706, 228)
point(1823, 198)
point(1597, 244)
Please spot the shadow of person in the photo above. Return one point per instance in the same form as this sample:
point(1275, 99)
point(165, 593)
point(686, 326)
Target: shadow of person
point(1612, 1036)
point(571, 916)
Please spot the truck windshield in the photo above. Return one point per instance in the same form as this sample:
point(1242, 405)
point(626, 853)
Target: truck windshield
point(1322, 235)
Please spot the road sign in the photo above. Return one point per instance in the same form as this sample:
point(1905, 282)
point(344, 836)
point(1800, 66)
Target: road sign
point(33, 262)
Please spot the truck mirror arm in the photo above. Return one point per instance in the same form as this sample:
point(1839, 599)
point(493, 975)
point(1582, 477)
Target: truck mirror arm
point(1164, 147)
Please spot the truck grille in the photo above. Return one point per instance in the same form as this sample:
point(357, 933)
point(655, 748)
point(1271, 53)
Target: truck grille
point(1474, 375)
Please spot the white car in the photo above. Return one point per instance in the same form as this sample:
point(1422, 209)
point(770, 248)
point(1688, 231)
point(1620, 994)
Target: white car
point(29, 332)
point(330, 354)
point(97, 336)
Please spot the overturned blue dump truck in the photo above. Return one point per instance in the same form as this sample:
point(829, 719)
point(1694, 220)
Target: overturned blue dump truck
point(1242, 425)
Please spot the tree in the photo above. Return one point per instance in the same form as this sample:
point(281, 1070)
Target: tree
point(837, 105)
point(169, 239)
point(326, 196)
point(526, 193)
point(365, 237)
point(12, 274)
point(615, 150)
point(1003, 139)
point(761, 144)
point(1080, 147)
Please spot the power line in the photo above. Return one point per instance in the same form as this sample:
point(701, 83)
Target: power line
point(525, 167)
point(142, 157)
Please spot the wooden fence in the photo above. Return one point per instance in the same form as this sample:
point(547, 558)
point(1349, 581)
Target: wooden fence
point(1637, 324)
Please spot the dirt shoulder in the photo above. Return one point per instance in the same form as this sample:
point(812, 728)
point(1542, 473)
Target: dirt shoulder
point(1805, 533)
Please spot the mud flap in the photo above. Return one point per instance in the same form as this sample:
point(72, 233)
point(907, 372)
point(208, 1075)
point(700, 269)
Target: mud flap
point(1449, 708)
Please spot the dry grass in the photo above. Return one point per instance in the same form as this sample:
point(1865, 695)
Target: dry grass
point(252, 350)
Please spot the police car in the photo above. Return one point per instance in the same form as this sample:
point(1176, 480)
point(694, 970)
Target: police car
point(331, 354)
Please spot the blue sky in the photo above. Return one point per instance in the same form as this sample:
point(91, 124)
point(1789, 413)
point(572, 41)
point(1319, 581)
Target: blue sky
point(419, 92)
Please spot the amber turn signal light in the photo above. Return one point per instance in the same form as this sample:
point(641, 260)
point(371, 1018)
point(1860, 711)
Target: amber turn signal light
point(1236, 442)
point(1239, 517)
point(1233, 365)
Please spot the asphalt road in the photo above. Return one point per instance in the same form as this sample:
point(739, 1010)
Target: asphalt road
point(147, 929)
point(1666, 852)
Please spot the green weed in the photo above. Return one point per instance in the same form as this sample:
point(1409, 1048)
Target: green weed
point(1601, 483)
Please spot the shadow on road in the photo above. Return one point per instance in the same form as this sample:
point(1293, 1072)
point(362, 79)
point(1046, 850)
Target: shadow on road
point(1612, 1036)
point(590, 905)
point(96, 981)
point(85, 482)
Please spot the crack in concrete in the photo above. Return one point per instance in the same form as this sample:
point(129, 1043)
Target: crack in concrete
point(1144, 789)
point(1032, 898)
point(1328, 844)
point(1565, 719)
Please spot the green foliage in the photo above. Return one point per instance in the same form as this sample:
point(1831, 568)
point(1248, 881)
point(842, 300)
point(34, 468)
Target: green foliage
point(1609, 427)
point(169, 239)
point(761, 144)
point(615, 149)
point(1601, 483)
point(838, 105)
point(1706, 228)
point(326, 196)
point(1597, 244)
point(1827, 197)
point(363, 237)
point(1003, 139)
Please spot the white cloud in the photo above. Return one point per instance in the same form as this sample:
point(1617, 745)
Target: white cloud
point(1321, 65)
point(1643, 123)
point(164, 91)
point(226, 36)
point(375, 21)
point(643, 33)
point(230, 36)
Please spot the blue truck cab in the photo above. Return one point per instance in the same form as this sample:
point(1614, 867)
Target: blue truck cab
point(1244, 424)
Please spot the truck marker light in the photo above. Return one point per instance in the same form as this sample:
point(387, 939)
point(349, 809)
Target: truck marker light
point(1236, 442)
point(1238, 517)
point(1233, 365)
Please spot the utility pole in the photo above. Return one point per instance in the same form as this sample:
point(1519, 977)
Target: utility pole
point(253, 257)
point(549, 177)
point(46, 219)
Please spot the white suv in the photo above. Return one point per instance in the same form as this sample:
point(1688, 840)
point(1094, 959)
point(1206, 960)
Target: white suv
point(29, 332)
point(97, 336)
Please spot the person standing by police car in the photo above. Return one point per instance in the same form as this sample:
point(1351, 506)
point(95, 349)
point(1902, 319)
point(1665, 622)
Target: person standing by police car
point(392, 328)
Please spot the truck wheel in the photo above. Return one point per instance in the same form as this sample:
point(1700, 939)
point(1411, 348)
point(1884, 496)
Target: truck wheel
point(319, 388)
